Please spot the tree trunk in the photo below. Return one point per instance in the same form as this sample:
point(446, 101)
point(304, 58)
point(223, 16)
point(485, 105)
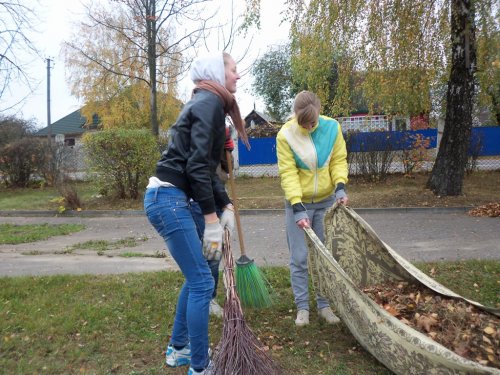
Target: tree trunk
point(449, 169)
point(151, 38)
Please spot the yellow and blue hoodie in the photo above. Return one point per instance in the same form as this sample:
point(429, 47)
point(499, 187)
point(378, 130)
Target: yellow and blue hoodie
point(311, 163)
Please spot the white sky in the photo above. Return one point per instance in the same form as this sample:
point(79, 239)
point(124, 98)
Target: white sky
point(56, 20)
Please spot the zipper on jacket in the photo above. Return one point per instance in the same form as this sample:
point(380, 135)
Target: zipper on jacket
point(315, 169)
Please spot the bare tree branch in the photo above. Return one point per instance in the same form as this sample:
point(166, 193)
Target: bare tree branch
point(16, 22)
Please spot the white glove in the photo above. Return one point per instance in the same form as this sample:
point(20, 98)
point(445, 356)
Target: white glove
point(212, 241)
point(227, 219)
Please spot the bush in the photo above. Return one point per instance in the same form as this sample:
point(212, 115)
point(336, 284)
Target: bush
point(122, 160)
point(414, 157)
point(370, 155)
point(13, 129)
point(19, 161)
point(57, 163)
point(20, 152)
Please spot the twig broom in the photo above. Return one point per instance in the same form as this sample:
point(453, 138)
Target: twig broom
point(239, 350)
point(251, 283)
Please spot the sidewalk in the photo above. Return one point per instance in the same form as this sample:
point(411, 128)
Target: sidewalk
point(416, 234)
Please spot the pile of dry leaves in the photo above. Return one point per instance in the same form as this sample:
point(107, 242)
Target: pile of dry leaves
point(457, 325)
point(490, 209)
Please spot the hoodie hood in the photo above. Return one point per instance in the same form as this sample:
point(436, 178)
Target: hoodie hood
point(208, 67)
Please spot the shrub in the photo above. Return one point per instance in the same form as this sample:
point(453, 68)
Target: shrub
point(122, 160)
point(414, 157)
point(13, 129)
point(19, 161)
point(57, 163)
point(370, 154)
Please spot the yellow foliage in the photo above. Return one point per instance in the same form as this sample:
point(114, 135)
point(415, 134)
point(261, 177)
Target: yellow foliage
point(398, 49)
point(109, 67)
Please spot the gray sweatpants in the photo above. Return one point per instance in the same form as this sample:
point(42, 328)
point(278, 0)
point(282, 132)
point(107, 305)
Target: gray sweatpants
point(298, 252)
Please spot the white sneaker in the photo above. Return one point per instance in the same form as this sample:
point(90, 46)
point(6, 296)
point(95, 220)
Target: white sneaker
point(175, 358)
point(208, 370)
point(302, 318)
point(215, 309)
point(327, 314)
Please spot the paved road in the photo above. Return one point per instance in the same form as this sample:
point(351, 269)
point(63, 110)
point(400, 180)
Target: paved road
point(424, 235)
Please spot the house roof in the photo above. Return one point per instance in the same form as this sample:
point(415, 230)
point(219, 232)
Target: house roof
point(70, 124)
point(261, 115)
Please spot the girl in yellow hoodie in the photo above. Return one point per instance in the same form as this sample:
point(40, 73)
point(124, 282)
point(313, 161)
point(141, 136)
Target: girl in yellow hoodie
point(312, 163)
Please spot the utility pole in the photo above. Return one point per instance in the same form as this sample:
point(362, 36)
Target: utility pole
point(49, 127)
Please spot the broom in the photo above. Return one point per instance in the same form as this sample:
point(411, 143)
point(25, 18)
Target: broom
point(239, 350)
point(251, 283)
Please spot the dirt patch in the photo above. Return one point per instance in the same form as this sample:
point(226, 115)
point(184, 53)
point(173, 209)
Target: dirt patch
point(409, 191)
point(457, 325)
point(397, 190)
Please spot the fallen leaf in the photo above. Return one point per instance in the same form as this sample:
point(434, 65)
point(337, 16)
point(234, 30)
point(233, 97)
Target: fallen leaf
point(487, 340)
point(426, 322)
point(489, 330)
point(391, 310)
point(462, 349)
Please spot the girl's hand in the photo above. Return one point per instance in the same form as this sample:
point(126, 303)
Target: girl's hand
point(304, 223)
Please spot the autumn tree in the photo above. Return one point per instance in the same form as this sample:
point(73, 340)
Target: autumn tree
point(273, 81)
point(449, 168)
point(133, 44)
point(16, 22)
point(392, 50)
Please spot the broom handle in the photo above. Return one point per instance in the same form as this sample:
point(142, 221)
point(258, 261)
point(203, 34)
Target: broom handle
point(235, 202)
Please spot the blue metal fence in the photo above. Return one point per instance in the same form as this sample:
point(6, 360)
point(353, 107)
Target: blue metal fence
point(263, 151)
point(395, 140)
point(485, 141)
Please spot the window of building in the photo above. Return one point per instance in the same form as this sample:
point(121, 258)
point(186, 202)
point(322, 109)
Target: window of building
point(400, 124)
point(69, 142)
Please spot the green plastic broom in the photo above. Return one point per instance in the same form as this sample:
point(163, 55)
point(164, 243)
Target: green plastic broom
point(251, 283)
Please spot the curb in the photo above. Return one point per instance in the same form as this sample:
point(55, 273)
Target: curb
point(249, 212)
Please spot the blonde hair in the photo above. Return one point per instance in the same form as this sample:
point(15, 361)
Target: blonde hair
point(306, 107)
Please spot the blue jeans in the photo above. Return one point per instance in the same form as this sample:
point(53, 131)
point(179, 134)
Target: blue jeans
point(200, 227)
point(167, 209)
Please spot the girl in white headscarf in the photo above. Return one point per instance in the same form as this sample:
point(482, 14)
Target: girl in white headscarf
point(187, 171)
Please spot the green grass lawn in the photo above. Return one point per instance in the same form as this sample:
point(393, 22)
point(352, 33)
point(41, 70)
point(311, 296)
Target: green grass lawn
point(15, 234)
point(119, 324)
point(265, 192)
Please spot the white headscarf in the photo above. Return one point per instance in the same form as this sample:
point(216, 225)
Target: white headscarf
point(208, 67)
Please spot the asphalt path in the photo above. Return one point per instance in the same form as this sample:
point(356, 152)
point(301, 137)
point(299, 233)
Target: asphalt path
point(416, 234)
